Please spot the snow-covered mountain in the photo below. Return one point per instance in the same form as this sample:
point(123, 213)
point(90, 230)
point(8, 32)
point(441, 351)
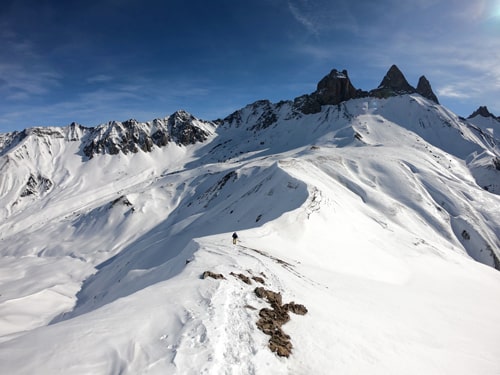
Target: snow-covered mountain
point(375, 212)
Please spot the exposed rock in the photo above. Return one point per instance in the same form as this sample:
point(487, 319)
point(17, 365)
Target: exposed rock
point(272, 297)
point(271, 320)
point(333, 89)
point(132, 136)
point(307, 104)
point(262, 113)
point(258, 279)
point(10, 140)
point(394, 83)
point(424, 88)
point(121, 200)
point(212, 275)
point(185, 129)
point(36, 185)
point(484, 112)
point(465, 235)
point(496, 163)
point(75, 132)
point(242, 277)
point(280, 344)
point(336, 87)
point(295, 308)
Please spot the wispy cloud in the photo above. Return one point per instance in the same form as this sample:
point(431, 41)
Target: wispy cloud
point(321, 16)
point(303, 18)
point(100, 78)
point(23, 72)
point(32, 80)
point(454, 91)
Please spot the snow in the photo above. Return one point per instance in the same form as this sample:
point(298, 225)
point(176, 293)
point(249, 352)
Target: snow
point(102, 274)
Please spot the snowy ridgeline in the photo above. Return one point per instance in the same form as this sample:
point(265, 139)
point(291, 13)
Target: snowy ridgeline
point(379, 216)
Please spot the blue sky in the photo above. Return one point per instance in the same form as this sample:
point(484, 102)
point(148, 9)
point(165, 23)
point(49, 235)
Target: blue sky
point(95, 61)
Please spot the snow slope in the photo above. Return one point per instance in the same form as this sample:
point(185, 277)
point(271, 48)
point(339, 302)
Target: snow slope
point(373, 214)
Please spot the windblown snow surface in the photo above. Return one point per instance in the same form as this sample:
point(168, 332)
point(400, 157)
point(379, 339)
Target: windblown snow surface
point(381, 216)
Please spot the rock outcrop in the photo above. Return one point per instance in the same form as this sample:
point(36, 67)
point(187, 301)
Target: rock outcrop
point(334, 88)
point(424, 88)
point(271, 320)
point(131, 136)
point(394, 83)
point(484, 112)
point(36, 185)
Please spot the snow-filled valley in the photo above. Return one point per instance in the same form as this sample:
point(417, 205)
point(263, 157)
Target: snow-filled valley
point(380, 216)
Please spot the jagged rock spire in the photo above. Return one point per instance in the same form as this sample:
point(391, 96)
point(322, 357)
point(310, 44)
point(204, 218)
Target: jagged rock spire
point(424, 88)
point(395, 81)
point(334, 88)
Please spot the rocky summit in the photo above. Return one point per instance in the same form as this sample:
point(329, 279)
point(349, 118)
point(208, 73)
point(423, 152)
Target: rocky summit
point(336, 87)
point(484, 112)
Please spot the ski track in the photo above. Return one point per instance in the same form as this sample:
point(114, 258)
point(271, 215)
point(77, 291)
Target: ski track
point(285, 265)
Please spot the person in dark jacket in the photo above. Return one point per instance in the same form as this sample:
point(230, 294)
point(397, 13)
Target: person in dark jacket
point(235, 238)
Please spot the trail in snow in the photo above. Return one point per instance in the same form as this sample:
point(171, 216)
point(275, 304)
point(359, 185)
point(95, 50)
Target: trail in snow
point(220, 332)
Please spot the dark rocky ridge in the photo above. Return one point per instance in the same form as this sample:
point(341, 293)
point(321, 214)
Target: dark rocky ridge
point(393, 83)
point(484, 112)
point(333, 89)
point(336, 87)
point(132, 136)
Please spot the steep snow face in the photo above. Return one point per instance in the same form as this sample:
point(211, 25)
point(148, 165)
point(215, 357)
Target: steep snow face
point(370, 213)
point(489, 125)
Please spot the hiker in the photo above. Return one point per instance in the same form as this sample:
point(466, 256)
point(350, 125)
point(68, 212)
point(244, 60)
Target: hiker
point(235, 238)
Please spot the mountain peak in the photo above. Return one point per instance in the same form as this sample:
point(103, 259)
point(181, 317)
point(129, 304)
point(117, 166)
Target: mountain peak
point(482, 111)
point(336, 87)
point(424, 88)
point(395, 80)
point(393, 83)
point(333, 89)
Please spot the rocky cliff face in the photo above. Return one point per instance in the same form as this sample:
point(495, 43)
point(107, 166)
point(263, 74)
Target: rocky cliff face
point(132, 136)
point(334, 88)
point(393, 83)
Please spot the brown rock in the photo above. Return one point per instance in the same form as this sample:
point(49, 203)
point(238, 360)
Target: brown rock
point(212, 275)
point(295, 308)
point(242, 277)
